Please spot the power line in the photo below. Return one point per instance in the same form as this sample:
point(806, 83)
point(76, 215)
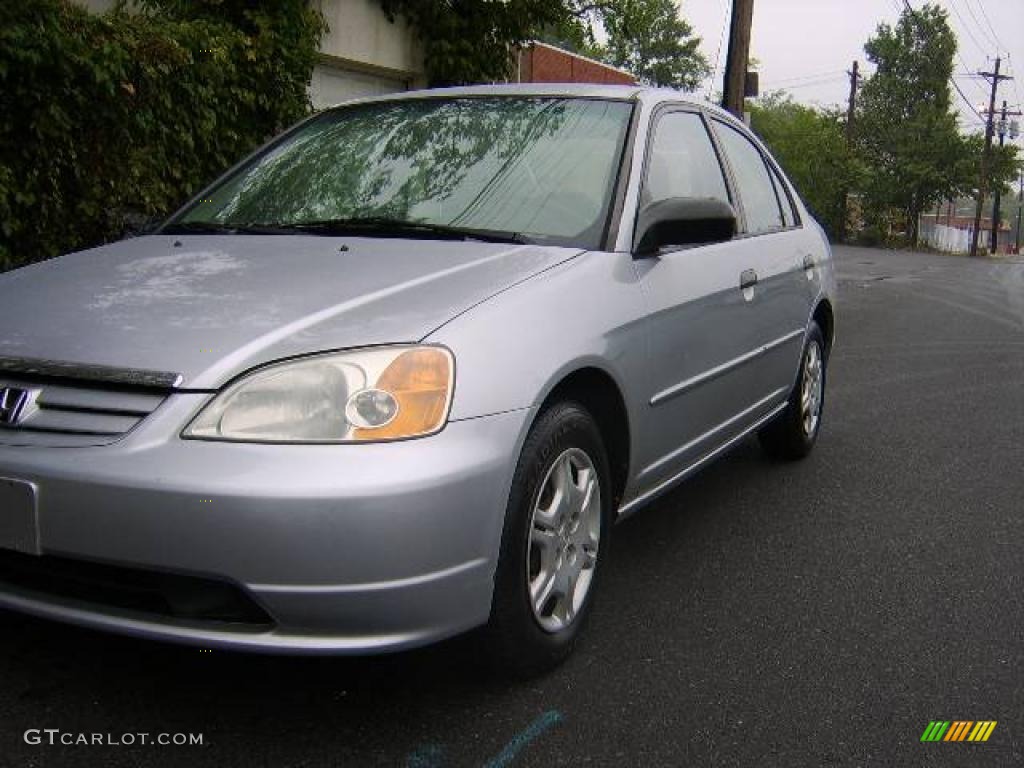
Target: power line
point(995, 78)
point(966, 100)
point(718, 51)
point(899, 7)
point(988, 24)
point(825, 81)
point(966, 27)
point(811, 76)
point(969, 121)
point(988, 21)
point(1016, 89)
point(970, 74)
point(981, 27)
point(959, 56)
point(952, 80)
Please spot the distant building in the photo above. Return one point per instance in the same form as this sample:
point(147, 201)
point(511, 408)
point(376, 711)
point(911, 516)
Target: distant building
point(950, 227)
point(364, 54)
point(542, 63)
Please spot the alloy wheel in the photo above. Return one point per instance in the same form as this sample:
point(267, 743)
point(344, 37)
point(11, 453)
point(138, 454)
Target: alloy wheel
point(565, 531)
point(811, 389)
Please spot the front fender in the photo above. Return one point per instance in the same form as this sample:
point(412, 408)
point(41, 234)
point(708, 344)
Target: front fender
point(513, 349)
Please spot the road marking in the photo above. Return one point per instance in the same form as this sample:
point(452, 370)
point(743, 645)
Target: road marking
point(522, 740)
point(427, 756)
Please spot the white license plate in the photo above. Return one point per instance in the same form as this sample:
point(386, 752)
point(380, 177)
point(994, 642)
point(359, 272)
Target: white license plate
point(19, 528)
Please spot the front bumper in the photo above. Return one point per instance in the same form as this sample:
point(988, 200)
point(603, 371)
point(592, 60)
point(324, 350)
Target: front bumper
point(347, 548)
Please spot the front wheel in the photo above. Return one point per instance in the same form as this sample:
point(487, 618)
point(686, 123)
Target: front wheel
point(794, 432)
point(554, 542)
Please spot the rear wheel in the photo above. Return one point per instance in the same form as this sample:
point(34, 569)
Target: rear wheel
point(794, 432)
point(554, 542)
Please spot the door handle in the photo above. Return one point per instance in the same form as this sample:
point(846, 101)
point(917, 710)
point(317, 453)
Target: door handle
point(808, 261)
point(748, 279)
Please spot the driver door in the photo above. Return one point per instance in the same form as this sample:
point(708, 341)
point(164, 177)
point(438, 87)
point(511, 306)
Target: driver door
point(703, 322)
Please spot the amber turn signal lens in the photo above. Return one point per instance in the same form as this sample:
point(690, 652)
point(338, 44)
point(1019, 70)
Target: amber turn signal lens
point(420, 380)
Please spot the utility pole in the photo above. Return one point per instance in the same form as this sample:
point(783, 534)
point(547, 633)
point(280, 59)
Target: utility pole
point(851, 113)
point(987, 153)
point(1002, 128)
point(739, 56)
point(851, 109)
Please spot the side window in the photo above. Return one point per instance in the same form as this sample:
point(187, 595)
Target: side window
point(755, 186)
point(789, 217)
point(682, 161)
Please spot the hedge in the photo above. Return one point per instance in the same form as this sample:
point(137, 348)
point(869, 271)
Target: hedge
point(109, 118)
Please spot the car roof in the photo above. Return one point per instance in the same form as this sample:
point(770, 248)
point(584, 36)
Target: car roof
point(642, 93)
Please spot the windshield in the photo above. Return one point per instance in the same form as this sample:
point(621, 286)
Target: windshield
point(537, 169)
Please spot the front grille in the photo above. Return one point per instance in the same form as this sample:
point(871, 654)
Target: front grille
point(146, 593)
point(71, 413)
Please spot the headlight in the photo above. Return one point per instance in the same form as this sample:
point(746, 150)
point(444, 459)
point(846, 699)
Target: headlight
point(346, 397)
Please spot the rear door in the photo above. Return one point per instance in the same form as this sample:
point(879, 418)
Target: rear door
point(774, 254)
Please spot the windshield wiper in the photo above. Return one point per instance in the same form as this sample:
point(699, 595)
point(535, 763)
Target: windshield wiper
point(383, 226)
point(218, 228)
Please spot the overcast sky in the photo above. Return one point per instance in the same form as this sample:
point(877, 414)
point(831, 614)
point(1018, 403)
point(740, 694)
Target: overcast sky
point(806, 46)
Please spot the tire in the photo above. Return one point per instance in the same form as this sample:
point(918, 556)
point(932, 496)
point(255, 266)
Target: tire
point(545, 542)
point(793, 433)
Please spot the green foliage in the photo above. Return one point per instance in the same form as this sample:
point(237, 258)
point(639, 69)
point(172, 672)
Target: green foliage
point(651, 40)
point(810, 144)
point(472, 41)
point(907, 153)
point(906, 127)
point(106, 117)
point(574, 32)
point(1004, 164)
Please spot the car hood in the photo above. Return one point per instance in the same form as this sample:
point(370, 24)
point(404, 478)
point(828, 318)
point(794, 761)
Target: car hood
point(208, 307)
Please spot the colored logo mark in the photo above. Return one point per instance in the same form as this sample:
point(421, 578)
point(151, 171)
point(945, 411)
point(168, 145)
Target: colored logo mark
point(958, 730)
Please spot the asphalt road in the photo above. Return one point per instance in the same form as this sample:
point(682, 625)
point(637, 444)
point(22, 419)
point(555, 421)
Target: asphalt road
point(810, 614)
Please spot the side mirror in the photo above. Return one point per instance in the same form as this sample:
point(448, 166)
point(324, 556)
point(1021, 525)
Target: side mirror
point(683, 221)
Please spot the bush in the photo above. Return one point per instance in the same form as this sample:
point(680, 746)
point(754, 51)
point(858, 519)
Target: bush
point(108, 117)
point(810, 145)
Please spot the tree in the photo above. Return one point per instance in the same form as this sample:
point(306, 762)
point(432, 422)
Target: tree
point(651, 40)
point(1004, 168)
point(810, 144)
point(472, 41)
point(906, 127)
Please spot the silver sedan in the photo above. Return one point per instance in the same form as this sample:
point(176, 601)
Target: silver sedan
point(396, 375)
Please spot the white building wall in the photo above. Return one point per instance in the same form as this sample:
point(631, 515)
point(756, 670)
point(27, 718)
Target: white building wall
point(362, 54)
point(952, 239)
